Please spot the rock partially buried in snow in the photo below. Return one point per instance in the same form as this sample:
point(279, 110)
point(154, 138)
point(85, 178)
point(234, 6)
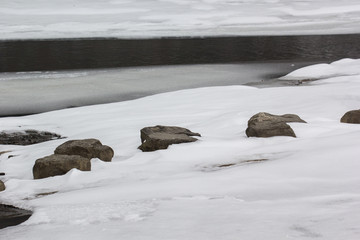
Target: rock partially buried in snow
point(160, 137)
point(26, 137)
point(88, 148)
point(57, 164)
point(351, 117)
point(268, 125)
point(2, 186)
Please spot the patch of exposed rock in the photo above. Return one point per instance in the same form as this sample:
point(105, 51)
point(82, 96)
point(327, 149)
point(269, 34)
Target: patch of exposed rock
point(26, 137)
point(160, 137)
point(2, 186)
point(11, 216)
point(57, 164)
point(88, 148)
point(268, 125)
point(351, 117)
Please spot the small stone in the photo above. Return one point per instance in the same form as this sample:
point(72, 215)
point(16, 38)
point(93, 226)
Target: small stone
point(160, 137)
point(88, 148)
point(351, 117)
point(2, 186)
point(57, 164)
point(268, 125)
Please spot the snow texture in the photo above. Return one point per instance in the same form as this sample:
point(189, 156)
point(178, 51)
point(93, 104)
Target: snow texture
point(224, 186)
point(23, 19)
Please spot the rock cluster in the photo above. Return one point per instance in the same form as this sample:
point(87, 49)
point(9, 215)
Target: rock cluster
point(72, 154)
point(26, 137)
point(351, 117)
point(160, 137)
point(268, 125)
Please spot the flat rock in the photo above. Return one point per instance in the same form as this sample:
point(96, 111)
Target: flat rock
point(11, 216)
point(268, 125)
point(88, 148)
point(160, 137)
point(57, 164)
point(2, 186)
point(351, 117)
point(26, 137)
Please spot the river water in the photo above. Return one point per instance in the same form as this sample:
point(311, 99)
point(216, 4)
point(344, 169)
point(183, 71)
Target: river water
point(44, 75)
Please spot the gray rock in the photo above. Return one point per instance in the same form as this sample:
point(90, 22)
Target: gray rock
point(268, 125)
point(88, 148)
point(57, 164)
point(26, 137)
point(160, 137)
point(351, 117)
point(2, 186)
point(11, 216)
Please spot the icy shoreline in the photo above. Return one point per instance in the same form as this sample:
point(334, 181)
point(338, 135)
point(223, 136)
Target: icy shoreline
point(308, 187)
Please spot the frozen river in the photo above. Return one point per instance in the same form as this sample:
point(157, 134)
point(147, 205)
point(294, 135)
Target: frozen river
point(37, 77)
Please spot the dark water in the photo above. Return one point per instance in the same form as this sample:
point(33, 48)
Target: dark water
point(38, 55)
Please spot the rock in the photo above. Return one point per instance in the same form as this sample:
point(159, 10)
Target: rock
point(2, 186)
point(11, 216)
point(26, 137)
point(160, 137)
point(88, 148)
point(57, 164)
point(351, 117)
point(268, 125)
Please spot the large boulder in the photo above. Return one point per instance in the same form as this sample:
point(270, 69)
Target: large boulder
point(26, 137)
point(160, 137)
point(88, 148)
point(351, 117)
point(268, 125)
point(57, 164)
point(2, 186)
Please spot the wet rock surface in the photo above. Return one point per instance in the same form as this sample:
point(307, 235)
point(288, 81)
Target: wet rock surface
point(268, 125)
point(26, 137)
point(11, 216)
point(351, 117)
point(160, 137)
point(57, 164)
point(88, 148)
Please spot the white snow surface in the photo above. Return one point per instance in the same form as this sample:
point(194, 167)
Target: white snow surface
point(23, 19)
point(277, 188)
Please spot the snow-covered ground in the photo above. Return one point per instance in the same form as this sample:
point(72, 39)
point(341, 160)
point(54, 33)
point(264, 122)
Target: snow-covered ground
point(304, 187)
point(23, 19)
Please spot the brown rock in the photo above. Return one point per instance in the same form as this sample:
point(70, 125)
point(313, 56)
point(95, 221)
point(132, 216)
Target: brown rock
point(351, 117)
point(160, 137)
point(57, 164)
point(88, 148)
point(2, 186)
point(268, 125)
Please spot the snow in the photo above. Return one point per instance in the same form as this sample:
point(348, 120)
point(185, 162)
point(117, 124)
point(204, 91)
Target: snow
point(343, 67)
point(39, 19)
point(277, 188)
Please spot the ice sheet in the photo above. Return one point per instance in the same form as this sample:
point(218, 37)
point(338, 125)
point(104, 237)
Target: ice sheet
point(24, 19)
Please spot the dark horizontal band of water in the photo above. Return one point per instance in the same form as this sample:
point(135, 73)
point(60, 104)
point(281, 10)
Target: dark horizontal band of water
point(36, 55)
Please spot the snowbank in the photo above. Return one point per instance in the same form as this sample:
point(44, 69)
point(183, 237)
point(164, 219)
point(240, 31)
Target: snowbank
point(303, 187)
point(23, 19)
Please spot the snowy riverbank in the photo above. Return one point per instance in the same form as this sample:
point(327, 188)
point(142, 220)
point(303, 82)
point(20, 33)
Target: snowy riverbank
point(305, 187)
point(39, 19)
